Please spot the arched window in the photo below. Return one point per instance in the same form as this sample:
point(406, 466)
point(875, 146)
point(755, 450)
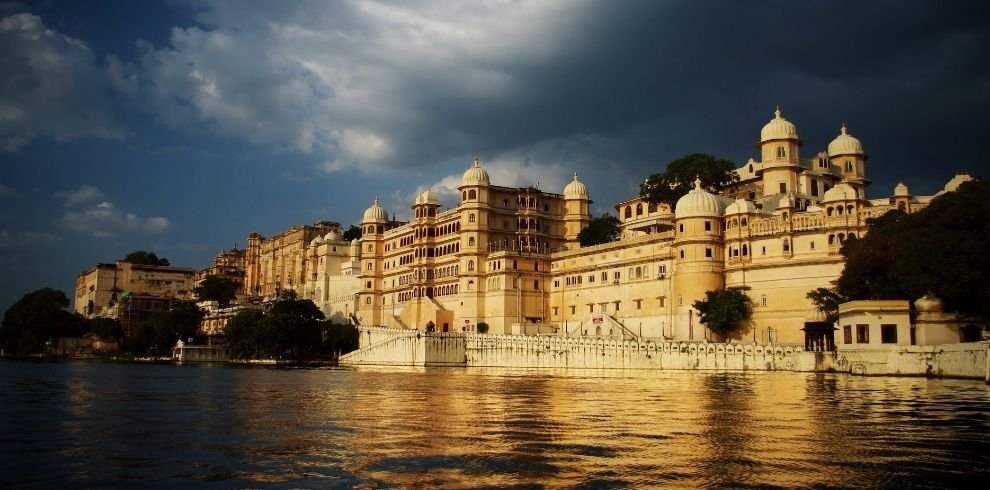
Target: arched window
point(470, 265)
point(745, 222)
point(787, 245)
point(639, 272)
point(628, 212)
point(831, 239)
point(781, 153)
point(745, 250)
point(471, 218)
point(639, 209)
point(471, 241)
point(849, 166)
point(472, 194)
point(464, 196)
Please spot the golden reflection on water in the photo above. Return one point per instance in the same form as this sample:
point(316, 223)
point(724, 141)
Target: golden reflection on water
point(104, 425)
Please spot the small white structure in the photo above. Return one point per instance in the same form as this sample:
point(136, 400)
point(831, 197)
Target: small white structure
point(874, 323)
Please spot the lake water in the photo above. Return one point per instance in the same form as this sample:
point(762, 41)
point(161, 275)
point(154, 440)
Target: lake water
point(79, 424)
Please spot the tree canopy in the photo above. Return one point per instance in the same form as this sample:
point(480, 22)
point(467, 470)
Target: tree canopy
point(291, 329)
point(215, 288)
point(38, 317)
point(602, 229)
point(142, 257)
point(943, 249)
point(723, 311)
point(353, 232)
point(827, 300)
point(678, 178)
point(162, 329)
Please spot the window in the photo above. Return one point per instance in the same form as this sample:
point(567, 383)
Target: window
point(472, 194)
point(573, 308)
point(888, 334)
point(639, 209)
point(470, 265)
point(367, 300)
point(471, 241)
point(849, 166)
point(369, 266)
point(708, 252)
point(639, 304)
point(862, 334)
point(814, 187)
point(812, 245)
point(708, 226)
point(847, 337)
point(682, 254)
point(471, 218)
point(781, 153)
point(763, 300)
point(367, 284)
point(536, 284)
point(787, 245)
point(661, 301)
point(783, 187)
point(628, 212)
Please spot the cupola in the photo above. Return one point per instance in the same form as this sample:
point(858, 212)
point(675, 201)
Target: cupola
point(698, 203)
point(576, 189)
point(778, 129)
point(475, 175)
point(375, 214)
point(844, 144)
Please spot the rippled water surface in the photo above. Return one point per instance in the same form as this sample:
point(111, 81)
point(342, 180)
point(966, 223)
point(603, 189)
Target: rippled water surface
point(127, 425)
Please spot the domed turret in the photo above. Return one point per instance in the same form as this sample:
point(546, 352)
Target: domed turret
point(576, 189)
point(333, 236)
point(698, 203)
point(841, 192)
point(428, 197)
point(475, 175)
point(929, 304)
point(778, 129)
point(375, 214)
point(844, 144)
point(901, 190)
point(316, 241)
point(740, 206)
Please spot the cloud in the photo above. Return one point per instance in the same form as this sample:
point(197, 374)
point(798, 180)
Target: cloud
point(6, 192)
point(82, 195)
point(24, 239)
point(94, 215)
point(50, 86)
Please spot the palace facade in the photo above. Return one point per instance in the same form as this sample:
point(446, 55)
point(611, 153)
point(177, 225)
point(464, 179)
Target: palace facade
point(510, 258)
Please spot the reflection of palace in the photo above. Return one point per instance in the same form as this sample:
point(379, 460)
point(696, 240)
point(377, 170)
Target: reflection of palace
point(509, 257)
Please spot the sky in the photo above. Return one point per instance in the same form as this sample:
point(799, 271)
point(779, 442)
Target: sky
point(181, 126)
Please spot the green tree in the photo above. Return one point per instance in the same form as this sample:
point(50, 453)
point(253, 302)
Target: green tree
point(142, 257)
point(215, 288)
point(827, 300)
point(943, 249)
point(105, 328)
point(677, 179)
point(339, 338)
point(159, 333)
point(602, 229)
point(354, 232)
point(242, 334)
point(723, 311)
point(38, 317)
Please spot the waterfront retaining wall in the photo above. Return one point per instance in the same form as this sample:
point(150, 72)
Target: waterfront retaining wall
point(967, 360)
point(408, 347)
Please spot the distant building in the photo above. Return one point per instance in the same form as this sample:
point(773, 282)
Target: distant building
point(130, 292)
point(228, 264)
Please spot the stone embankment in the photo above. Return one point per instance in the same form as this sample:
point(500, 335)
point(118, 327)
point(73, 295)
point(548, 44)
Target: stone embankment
point(407, 347)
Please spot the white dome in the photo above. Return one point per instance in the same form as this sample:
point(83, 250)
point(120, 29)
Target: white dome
point(929, 303)
point(844, 144)
point(375, 213)
point(778, 129)
point(740, 206)
point(333, 236)
point(316, 241)
point(428, 197)
point(841, 192)
point(576, 189)
point(698, 203)
point(475, 175)
point(901, 190)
